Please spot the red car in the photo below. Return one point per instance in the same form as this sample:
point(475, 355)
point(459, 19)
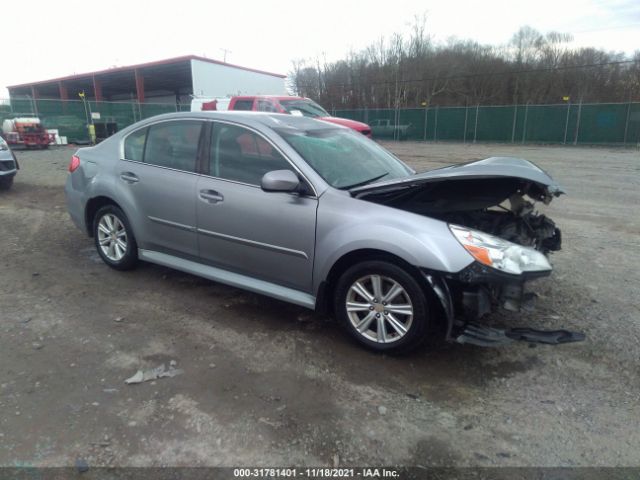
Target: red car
point(294, 106)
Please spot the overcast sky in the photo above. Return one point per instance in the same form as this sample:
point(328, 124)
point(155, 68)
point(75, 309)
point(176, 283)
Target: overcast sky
point(69, 36)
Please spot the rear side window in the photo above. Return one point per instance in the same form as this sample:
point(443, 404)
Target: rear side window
point(243, 156)
point(243, 105)
point(173, 144)
point(134, 145)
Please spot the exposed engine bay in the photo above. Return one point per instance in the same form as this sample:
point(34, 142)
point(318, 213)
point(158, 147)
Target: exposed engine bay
point(500, 206)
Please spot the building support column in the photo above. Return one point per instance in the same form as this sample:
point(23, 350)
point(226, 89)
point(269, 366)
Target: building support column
point(63, 91)
point(64, 96)
point(139, 85)
point(34, 97)
point(97, 89)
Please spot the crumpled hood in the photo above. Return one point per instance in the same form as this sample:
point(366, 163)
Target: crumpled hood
point(490, 168)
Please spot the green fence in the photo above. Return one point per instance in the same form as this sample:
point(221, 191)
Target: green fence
point(71, 117)
point(571, 124)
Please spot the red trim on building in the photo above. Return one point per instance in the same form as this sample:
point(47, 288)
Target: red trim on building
point(132, 68)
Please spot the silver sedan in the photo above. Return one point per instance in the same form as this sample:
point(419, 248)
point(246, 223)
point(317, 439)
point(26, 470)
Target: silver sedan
point(320, 216)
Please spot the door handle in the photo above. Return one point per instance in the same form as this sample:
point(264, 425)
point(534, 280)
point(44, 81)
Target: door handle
point(211, 196)
point(129, 177)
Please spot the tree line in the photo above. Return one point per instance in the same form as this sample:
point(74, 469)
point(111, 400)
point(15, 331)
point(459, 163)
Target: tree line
point(411, 70)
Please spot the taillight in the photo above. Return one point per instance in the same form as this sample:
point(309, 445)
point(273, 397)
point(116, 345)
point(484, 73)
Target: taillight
point(74, 163)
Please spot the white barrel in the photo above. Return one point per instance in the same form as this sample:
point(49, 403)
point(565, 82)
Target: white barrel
point(8, 126)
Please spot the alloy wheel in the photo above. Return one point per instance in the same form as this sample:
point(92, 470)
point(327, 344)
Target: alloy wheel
point(379, 308)
point(112, 237)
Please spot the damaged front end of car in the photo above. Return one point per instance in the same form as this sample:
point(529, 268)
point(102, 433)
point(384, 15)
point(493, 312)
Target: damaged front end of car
point(490, 207)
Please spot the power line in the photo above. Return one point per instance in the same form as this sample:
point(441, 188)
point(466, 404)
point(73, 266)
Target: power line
point(484, 74)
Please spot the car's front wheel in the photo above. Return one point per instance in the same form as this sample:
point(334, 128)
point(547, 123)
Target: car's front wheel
point(382, 306)
point(114, 238)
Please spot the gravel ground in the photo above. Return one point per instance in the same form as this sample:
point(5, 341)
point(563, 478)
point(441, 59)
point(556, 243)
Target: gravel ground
point(267, 383)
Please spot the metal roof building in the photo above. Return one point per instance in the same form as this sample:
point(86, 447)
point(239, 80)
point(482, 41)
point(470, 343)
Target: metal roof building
point(173, 80)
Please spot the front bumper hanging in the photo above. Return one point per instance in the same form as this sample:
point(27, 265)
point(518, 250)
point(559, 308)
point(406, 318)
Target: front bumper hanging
point(475, 301)
point(485, 336)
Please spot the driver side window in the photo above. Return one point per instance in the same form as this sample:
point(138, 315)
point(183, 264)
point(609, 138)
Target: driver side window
point(241, 155)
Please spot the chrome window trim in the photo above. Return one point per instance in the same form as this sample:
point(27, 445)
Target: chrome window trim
point(191, 173)
point(161, 166)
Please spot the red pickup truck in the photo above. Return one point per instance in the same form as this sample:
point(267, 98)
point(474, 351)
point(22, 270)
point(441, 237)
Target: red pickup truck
point(291, 105)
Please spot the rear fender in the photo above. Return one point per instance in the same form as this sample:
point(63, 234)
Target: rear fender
point(106, 185)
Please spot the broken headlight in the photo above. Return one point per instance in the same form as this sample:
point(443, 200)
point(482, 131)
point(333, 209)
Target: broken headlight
point(498, 253)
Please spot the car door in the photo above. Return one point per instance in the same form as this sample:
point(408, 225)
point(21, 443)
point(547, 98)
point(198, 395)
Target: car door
point(158, 171)
point(267, 235)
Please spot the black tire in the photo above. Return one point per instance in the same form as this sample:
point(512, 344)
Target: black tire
point(130, 258)
point(6, 182)
point(418, 330)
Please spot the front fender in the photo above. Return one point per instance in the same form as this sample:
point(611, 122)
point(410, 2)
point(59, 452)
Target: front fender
point(347, 224)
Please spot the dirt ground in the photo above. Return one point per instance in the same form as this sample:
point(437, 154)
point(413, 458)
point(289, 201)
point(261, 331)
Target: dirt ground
point(267, 383)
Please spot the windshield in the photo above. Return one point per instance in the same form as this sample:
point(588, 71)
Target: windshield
point(344, 158)
point(306, 107)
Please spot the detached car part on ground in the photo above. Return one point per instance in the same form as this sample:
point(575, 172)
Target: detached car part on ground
point(8, 165)
point(322, 217)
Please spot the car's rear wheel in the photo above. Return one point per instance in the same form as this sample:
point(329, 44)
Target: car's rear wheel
point(114, 238)
point(382, 306)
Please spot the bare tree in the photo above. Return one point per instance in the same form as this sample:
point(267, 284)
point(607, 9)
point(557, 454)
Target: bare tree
point(409, 70)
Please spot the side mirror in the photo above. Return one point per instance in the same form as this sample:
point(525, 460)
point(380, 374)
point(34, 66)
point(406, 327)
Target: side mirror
point(280, 181)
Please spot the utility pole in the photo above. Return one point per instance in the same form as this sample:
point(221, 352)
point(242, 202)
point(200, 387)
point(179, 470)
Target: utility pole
point(91, 129)
point(567, 99)
point(225, 51)
point(475, 128)
point(524, 126)
point(575, 139)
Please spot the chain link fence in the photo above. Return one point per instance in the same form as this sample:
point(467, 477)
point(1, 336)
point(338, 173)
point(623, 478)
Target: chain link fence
point(569, 124)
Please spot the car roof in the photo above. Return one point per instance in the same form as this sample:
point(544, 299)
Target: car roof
point(252, 119)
